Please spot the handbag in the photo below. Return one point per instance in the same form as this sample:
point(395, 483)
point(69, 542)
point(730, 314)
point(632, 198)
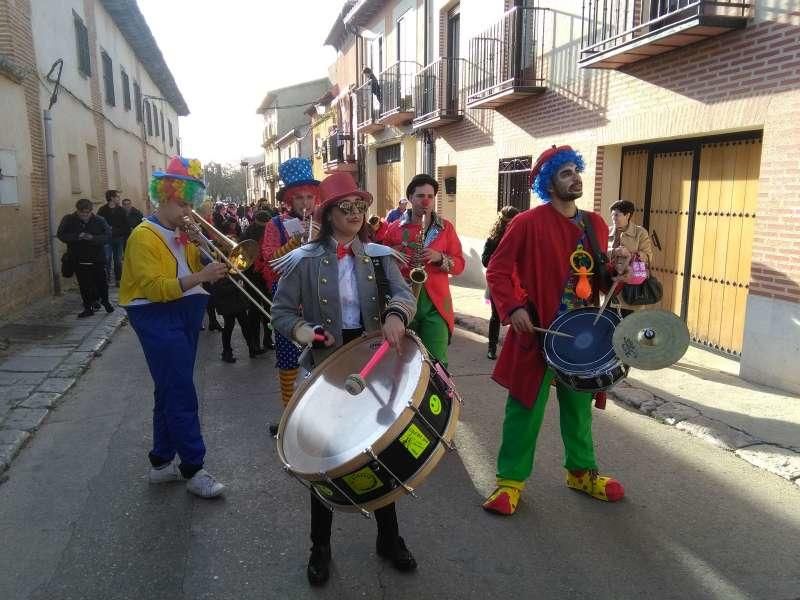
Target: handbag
point(67, 265)
point(648, 292)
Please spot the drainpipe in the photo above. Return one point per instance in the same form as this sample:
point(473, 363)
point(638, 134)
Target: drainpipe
point(51, 178)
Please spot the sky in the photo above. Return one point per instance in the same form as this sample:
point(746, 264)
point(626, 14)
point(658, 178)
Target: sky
point(225, 57)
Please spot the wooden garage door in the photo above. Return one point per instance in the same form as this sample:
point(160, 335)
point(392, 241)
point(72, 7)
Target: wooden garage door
point(390, 187)
point(723, 237)
point(634, 177)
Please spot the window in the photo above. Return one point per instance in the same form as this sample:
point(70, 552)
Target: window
point(82, 41)
point(74, 174)
point(513, 186)
point(155, 119)
point(117, 172)
point(126, 90)
point(108, 78)
point(163, 132)
point(388, 154)
point(171, 139)
point(8, 177)
point(94, 171)
point(149, 118)
point(137, 99)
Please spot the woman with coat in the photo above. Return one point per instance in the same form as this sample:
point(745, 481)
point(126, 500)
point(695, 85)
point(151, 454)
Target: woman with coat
point(498, 229)
point(335, 280)
point(631, 236)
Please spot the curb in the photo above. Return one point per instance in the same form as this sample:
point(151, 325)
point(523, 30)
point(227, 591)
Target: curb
point(35, 403)
point(774, 458)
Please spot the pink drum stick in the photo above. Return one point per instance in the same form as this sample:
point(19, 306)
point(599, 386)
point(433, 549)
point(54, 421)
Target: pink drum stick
point(356, 382)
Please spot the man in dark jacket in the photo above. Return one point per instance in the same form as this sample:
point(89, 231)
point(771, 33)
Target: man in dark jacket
point(86, 235)
point(133, 216)
point(115, 216)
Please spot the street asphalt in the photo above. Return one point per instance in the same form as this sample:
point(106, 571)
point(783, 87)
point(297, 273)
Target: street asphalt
point(78, 519)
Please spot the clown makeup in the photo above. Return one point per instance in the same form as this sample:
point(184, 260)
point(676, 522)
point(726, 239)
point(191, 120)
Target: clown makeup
point(567, 184)
point(423, 200)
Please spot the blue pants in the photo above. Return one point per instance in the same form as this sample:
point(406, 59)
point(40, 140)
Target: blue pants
point(114, 250)
point(168, 332)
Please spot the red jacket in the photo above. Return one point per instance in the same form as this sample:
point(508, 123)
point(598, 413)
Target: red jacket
point(398, 234)
point(275, 243)
point(536, 247)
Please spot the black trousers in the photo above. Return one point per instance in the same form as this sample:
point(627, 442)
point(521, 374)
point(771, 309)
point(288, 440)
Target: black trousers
point(229, 322)
point(256, 320)
point(494, 326)
point(92, 282)
point(322, 516)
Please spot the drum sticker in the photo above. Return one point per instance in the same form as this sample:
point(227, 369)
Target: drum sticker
point(323, 489)
point(363, 481)
point(414, 440)
point(435, 404)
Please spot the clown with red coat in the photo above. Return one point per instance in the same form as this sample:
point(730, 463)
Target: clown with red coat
point(531, 282)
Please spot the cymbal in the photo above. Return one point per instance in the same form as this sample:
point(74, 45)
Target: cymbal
point(651, 339)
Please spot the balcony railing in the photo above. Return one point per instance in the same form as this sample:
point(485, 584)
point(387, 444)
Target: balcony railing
point(507, 60)
point(437, 93)
point(620, 32)
point(269, 172)
point(367, 109)
point(397, 93)
point(338, 153)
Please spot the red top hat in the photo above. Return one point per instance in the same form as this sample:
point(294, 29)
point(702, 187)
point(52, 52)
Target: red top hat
point(544, 157)
point(337, 186)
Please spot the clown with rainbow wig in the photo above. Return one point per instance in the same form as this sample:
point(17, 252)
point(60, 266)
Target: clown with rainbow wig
point(531, 281)
point(161, 288)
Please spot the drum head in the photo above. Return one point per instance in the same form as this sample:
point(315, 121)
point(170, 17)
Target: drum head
point(591, 350)
point(325, 427)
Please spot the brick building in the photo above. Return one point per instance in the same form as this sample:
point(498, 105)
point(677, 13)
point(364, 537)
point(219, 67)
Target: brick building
point(691, 109)
point(115, 121)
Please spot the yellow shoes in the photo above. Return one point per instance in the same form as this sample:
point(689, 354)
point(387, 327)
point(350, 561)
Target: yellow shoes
point(505, 498)
point(597, 486)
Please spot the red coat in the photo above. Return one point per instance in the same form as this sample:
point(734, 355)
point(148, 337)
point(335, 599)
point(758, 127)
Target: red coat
point(536, 247)
point(438, 283)
point(274, 239)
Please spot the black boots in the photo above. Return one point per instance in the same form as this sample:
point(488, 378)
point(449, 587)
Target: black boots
point(227, 356)
point(319, 564)
point(396, 551)
point(492, 352)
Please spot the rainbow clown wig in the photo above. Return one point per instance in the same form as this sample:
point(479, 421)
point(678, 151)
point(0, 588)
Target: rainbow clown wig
point(181, 181)
point(548, 164)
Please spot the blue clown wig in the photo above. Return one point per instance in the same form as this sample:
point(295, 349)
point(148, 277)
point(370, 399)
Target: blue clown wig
point(547, 171)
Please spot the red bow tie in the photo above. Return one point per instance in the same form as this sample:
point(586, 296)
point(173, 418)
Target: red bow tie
point(342, 251)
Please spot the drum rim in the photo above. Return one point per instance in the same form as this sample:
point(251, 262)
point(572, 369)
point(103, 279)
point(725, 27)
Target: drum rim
point(548, 350)
point(383, 442)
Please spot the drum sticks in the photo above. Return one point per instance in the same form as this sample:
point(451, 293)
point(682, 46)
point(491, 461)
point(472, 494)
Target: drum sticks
point(356, 382)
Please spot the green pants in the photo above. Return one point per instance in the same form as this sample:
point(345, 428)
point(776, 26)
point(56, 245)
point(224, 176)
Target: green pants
point(431, 328)
point(521, 428)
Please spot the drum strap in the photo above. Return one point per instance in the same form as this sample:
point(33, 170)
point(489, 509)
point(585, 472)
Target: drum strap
point(600, 258)
point(382, 282)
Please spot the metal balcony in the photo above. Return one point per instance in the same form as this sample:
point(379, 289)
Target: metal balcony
point(621, 32)
point(338, 153)
point(507, 60)
point(438, 98)
point(397, 93)
point(367, 109)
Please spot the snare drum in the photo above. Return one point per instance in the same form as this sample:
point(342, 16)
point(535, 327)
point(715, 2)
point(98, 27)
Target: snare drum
point(586, 362)
point(362, 452)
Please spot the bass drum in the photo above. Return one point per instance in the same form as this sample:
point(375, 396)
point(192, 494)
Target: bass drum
point(362, 452)
point(585, 362)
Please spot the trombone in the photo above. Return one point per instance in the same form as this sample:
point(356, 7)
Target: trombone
point(239, 257)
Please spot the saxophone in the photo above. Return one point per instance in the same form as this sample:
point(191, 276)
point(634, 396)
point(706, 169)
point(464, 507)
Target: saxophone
point(418, 275)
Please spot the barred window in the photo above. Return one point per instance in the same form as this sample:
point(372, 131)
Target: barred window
point(513, 187)
point(388, 154)
point(155, 119)
point(126, 89)
point(137, 100)
point(148, 117)
point(82, 41)
point(163, 132)
point(108, 79)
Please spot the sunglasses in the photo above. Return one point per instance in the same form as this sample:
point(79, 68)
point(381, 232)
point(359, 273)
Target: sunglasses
point(354, 207)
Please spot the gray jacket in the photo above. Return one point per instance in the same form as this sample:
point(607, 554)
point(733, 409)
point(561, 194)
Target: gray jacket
point(313, 284)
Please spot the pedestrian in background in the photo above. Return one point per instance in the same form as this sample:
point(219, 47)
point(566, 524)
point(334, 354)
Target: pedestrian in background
point(115, 216)
point(634, 238)
point(495, 235)
point(256, 318)
point(396, 213)
point(86, 235)
point(133, 217)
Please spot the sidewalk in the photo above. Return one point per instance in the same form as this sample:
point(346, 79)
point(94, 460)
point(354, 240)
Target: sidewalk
point(701, 395)
point(44, 348)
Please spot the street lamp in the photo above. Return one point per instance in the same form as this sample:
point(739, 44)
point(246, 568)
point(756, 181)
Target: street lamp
point(244, 165)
